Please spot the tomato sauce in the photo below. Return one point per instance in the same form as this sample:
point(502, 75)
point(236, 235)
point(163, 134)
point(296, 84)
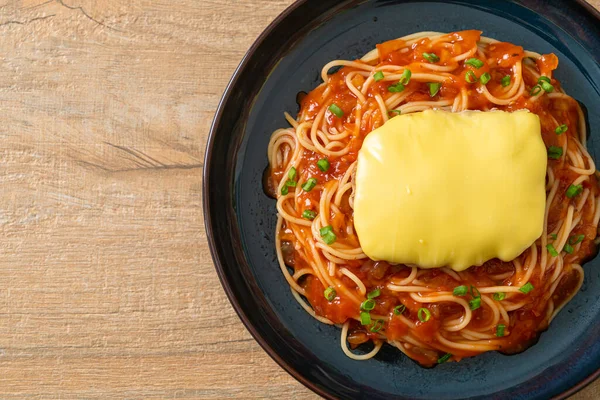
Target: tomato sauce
point(499, 61)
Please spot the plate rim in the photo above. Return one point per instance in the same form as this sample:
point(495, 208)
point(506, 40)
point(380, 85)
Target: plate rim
point(208, 220)
point(208, 225)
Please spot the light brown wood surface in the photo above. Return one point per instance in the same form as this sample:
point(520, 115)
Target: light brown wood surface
point(107, 288)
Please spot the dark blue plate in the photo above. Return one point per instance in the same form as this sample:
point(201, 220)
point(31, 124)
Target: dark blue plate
point(240, 219)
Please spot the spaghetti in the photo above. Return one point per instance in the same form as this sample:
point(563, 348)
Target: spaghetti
point(431, 315)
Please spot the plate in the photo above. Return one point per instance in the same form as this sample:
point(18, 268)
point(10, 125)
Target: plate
point(240, 219)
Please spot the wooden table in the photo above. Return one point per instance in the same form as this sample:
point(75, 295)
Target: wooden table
point(107, 288)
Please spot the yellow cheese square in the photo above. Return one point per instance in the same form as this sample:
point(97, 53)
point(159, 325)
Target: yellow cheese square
point(438, 189)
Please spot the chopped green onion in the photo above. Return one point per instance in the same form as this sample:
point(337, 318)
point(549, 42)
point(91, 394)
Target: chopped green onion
point(506, 81)
point(396, 112)
point(485, 78)
point(573, 240)
point(434, 88)
point(326, 229)
point(500, 330)
point(373, 294)
point(474, 62)
point(535, 90)
point(292, 173)
point(290, 183)
point(561, 129)
point(423, 314)
point(526, 288)
point(552, 250)
point(323, 164)
point(336, 110)
point(284, 190)
point(309, 184)
point(475, 292)
point(397, 88)
point(378, 76)
point(367, 305)
point(365, 318)
point(574, 190)
point(399, 309)
point(431, 57)
point(555, 152)
point(547, 87)
point(405, 78)
point(475, 303)
point(377, 326)
point(544, 79)
point(327, 234)
point(309, 214)
point(460, 290)
point(470, 77)
point(444, 358)
point(553, 236)
point(499, 296)
point(329, 293)
point(568, 248)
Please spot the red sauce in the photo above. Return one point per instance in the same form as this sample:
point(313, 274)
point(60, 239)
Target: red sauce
point(527, 321)
point(547, 63)
point(338, 310)
point(504, 55)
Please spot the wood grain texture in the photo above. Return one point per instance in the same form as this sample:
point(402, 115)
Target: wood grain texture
point(107, 288)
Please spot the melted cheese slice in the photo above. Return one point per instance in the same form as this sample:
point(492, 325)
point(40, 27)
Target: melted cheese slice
point(438, 189)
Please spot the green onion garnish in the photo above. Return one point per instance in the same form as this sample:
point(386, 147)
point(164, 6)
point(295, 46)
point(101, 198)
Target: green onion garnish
point(373, 294)
point(475, 292)
point(460, 290)
point(526, 288)
point(573, 240)
point(475, 303)
point(444, 358)
point(470, 77)
point(547, 87)
point(399, 309)
point(499, 296)
point(552, 250)
point(397, 88)
point(309, 214)
point(292, 173)
point(506, 81)
point(327, 234)
point(284, 190)
point(474, 62)
point(405, 78)
point(574, 190)
point(561, 129)
point(367, 305)
point(336, 110)
point(323, 164)
point(568, 248)
point(394, 112)
point(500, 330)
point(544, 79)
point(555, 152)
point(377, 326)
point(309, 184)
point(365, 318)
point(423, 314)
point(290, 183)
point(535, 90)
point(434, 88)
point(553, 236)
point(431, 57)
point(329, 293)
point(485, 78)
point(378, 76)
